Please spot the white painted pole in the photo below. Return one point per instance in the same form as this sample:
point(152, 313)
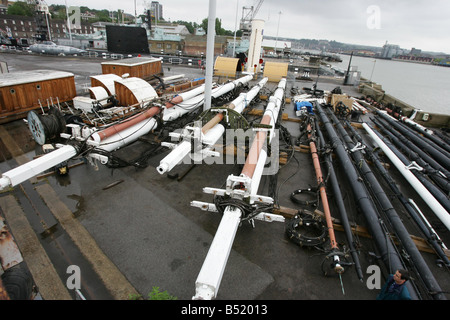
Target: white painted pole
point(254, 51)
point(210, 53)
point(235, 29)
point(195, 102)
point(126, 136)
point(184, 148)
point(434, 205)
point(210, 276)
point(208, 280)
point(32, 168)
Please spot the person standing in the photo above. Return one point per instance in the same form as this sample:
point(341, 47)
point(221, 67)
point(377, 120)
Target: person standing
point(395, 288)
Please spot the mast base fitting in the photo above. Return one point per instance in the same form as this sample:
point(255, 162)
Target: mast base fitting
point(339, 269)
point(335, 262)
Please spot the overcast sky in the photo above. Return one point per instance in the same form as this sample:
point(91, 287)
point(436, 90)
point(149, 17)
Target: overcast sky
point(421, 24)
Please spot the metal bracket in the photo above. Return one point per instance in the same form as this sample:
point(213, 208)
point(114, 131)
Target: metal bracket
point(358, 147)
point(169, 145)
point(93, 157)
point(263, 216)
point(413, 166)
point(238, 194)
point(233, 119)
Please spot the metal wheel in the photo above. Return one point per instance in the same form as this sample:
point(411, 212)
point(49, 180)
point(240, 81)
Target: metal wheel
point(36, 127)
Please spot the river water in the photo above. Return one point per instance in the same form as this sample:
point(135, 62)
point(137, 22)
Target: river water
point(424, 87)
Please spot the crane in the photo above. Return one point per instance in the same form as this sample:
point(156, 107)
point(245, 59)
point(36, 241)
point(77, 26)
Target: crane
point(248, 14)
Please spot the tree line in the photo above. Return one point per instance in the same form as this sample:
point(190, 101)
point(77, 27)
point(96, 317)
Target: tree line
point(192, 26)
point(22, 8)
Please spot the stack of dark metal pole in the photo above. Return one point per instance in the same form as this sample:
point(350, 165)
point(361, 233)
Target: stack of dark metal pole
point(382, 201)
point(340, 205)
point(433, 173)
point(383, 242)
point(429, 234)
point(440, 154)
point(391, 214)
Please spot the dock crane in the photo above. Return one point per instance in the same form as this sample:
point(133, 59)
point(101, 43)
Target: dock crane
point(248, 14)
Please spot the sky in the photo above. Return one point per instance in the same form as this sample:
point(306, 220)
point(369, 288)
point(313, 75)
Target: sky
point(420, 24)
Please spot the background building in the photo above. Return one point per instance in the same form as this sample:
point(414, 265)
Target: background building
point(390, 50)
point(25, 27)
point(3, 6)
point(156, 10)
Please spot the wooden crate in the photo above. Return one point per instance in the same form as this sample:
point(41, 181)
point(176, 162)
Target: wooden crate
point(22, 91)
point(139, 67)
point(346, 100)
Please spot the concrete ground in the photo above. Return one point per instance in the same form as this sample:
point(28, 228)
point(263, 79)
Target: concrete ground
point(144, 224)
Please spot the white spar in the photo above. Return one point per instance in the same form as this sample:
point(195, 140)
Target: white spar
point(191, 104)
point(211, 273)
point(28, 170)
point(185, 96)
point(208, 136)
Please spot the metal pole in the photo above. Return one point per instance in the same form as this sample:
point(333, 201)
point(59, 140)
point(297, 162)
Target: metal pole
point(321, 185)
point(185, 147)
point(341, 207)
point(210, 276)
point(434, 205)
point(278, 28)
point(373, 68)
point(28, 170)
point(235, 28)
point(389, 256)
point(411, 152)
point(392, 215)
point(348, 69)
point(440, 155)
point(135, 13)
point(410, 206)
point(210, 53)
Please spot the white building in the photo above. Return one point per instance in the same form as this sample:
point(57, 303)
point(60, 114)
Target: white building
point(177, 29)
point(276, 45)
point(390, 50)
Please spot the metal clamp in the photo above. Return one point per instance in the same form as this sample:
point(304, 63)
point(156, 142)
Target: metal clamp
point(413, 166)
point(357, 147)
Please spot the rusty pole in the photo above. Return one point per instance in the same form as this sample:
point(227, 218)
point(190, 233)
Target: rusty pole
point(321, 184)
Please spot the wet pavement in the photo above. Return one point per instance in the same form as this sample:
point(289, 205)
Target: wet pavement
point(144, 224)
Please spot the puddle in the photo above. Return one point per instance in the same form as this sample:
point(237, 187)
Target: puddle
point(80, 208)
point(49, 233)
point(63, 180)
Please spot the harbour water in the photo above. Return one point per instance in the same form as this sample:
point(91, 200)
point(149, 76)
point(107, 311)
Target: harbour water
point(424, 87)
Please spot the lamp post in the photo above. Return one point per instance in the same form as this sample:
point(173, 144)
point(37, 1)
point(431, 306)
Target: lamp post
point(278, 28)
point(373, 68)
point(235, 29)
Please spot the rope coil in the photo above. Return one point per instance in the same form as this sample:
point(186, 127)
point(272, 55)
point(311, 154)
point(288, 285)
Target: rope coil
point(306, 230)
point(249, 211)
point(312, 191)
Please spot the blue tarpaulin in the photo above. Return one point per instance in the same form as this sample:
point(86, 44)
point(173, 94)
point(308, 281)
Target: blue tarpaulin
point(307, 104)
